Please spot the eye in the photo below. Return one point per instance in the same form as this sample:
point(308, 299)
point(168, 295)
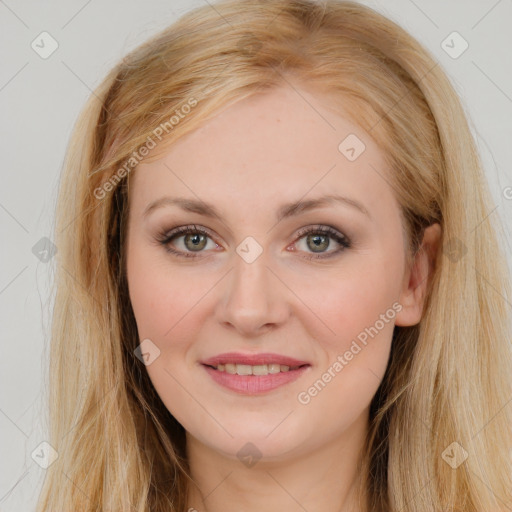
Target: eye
point(318, 239)
point(194, 240)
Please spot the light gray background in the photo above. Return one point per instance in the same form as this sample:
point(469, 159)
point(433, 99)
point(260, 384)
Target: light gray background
point(40, 100)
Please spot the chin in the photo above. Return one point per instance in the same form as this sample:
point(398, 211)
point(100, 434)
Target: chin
point(262, 441)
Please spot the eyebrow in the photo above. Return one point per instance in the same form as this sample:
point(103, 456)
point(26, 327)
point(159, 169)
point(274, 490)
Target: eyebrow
point(285, 211)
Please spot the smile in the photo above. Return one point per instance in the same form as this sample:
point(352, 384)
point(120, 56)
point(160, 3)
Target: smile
point(254, 373)
point(260, 369)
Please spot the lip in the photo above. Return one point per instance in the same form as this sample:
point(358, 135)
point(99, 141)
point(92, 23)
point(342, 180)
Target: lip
point(254, 384)
point(253, 359)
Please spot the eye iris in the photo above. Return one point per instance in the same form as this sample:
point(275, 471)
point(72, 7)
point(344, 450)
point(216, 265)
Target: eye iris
point(317, 241)
point(198, 240)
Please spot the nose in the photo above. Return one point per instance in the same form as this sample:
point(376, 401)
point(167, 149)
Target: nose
point(253, 299)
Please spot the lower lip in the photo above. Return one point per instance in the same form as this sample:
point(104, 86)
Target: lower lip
point(254, 384)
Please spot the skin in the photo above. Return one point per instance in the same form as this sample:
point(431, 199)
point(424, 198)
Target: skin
point(247, 161)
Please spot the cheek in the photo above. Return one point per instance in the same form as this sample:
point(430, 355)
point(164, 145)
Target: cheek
point(162, 296)
point(360, 315)
point(361, 322)
point(351, 299)
point(355, 311)
point(167, 308)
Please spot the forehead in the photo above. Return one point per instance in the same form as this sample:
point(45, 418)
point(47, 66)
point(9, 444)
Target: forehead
point(278, 144)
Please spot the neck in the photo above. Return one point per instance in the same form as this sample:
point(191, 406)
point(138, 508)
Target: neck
point(326, 478)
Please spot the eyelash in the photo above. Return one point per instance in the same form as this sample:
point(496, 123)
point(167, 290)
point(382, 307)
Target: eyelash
point(344, 242)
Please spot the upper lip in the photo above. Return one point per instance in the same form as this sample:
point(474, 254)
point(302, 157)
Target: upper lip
point(253, 359)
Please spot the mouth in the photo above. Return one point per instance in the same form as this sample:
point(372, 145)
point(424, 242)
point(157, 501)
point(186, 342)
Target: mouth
point(253, 374)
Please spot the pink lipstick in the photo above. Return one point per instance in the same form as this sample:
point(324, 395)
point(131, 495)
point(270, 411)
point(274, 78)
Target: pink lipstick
point(254, 373)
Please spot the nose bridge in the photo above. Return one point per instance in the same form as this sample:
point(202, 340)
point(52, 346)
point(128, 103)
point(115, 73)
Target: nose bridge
point(252, 297)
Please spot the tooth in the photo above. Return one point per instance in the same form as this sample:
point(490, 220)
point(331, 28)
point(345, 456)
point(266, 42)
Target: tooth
point(274, 368)
point(230, 368)
point(244, 369)
point(261, 369)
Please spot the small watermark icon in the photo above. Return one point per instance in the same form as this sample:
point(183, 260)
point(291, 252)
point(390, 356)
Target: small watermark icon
point(44, 250)
point(351, 147)
point(249, 44)
point(44, 455)
point(249, 454)
point(454, 455)
point(44, 45)
point(249, 249)
point(147, 352)
point(454, 45)
point(455, 249)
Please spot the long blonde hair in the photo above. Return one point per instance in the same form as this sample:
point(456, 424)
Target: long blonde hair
point(448, 379)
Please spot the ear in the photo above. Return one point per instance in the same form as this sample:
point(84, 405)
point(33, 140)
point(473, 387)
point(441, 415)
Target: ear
point(417, 277)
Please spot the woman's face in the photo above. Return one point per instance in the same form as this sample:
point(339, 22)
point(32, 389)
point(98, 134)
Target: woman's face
point(269, 267)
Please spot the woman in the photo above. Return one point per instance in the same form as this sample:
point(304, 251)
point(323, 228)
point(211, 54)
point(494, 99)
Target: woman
point(278, 286)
